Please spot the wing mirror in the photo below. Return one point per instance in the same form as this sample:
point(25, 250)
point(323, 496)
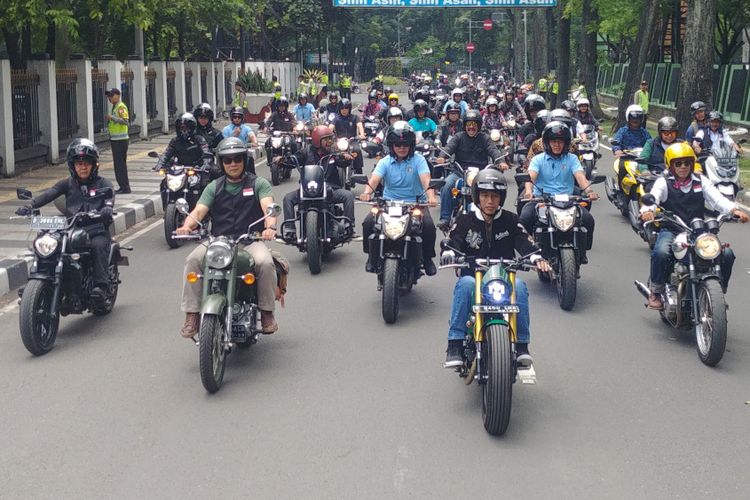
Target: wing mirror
point(273, 210)
point(182, 206)
point(153, 154)
point(649, 200)
point(23, 194)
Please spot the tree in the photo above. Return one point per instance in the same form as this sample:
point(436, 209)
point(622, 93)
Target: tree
point(696, 80)
point(732, 19)
point(589, 30)
point(563, 52)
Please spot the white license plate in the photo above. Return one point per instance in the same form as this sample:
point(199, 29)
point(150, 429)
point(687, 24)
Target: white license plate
point(588, 156)
point(507, 309)
point(48, 222)
point(395, 211)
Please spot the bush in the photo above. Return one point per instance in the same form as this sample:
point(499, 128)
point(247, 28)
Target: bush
point(254, 83)
point(390, 81)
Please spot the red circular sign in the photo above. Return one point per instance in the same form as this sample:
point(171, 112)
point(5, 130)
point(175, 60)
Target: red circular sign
point(487, 24)
point(470, 47)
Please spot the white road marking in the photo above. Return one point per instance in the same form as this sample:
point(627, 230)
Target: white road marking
point(141, 232)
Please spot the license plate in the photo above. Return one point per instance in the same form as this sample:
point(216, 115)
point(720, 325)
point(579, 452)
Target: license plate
point(395, 211)
point(506, 309)
point(48, 222)
point(588, 156)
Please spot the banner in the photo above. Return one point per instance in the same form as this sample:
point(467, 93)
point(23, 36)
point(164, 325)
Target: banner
point(444, 3)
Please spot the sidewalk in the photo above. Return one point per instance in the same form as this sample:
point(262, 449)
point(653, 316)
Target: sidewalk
point(144, 202)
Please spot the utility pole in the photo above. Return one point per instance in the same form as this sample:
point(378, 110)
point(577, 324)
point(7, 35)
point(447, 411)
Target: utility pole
point(469, 42)
point(525, 49)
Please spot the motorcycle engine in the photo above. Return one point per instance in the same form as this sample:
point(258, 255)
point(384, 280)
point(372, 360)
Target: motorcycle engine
point(672, 304)
point(337, 229)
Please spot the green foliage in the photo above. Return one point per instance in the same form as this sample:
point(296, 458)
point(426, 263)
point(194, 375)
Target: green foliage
point(426, 54)
point(254, 83)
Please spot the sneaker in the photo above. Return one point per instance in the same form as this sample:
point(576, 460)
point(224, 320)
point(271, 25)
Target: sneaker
point(444, 225)
point(369, 266)
point(123, 191)
point(268, 323)
point(429, 268)
point(655, 302)
point(190, 328)
point(289, 235)
point(584, 259)
point(454, 354)
point(523, 358)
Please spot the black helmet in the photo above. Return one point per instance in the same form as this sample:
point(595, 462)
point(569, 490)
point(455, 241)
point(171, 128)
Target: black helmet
point(387, 91)
point(666, 124)
point(346, 103)
point(556, 130)
point(401, 132)
point(569, 106)
point(541, 121)
point(420, 105)
point(237, 111)
point(473, 116)
point(231, 146)
point(715, 115)
point(491, 89)
point(204, 110)
point(419, 95)
point(489, 179)
point(82, 149)
point(431, 95)
point(373, 95)
point(697, 106)
point(534, 102)
point(185, 125)
point(283, 101)
point(301, 96)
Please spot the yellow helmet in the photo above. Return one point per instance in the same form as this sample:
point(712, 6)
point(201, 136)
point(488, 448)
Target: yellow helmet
point(680, 150)
point(393, 96)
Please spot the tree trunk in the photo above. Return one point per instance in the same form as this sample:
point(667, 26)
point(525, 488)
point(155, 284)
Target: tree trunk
point(696, 81)
point(518, 46)
point(638, 61)
point(589, 30)
point(536, 31)
point(563, 54)
point(14, 49)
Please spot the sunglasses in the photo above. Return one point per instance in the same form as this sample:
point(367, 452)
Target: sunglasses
point(401, 144)
point(683, 163)
point(228, 160)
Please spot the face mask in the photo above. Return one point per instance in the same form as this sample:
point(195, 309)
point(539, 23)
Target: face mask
point(277, 95)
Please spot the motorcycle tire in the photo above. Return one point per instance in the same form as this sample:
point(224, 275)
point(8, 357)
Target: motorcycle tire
point(711, 334)
point(567, 277)
point(588, 167)
point(390, 290)
point(114, 280)
point(38, 327)
point(314, 250)
point(497, 391)
point(172, 220)
point(212, 355)
point(274, 174)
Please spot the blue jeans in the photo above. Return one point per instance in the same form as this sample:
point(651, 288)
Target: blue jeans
point(461, 308)
point(447, 201)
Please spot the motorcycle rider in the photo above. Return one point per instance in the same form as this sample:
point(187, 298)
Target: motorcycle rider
point(698, 111)
point(392, 103)
point(373, 107)
point(494, 233)
point(510, 105)
point(188, 147)
point(303, 110)
point(421, 122)
point(654, 149)
point(493, 117)
point(405, 176)
point(632, 135)
point(585, 116)
point(205, 116)
point(706, 138)
point(394, 115)
point(234, 200)
point(238, 129)
point(472, 148)
point(684, 193)
point(321, 146)
point(452, 124)
point(348, 125)
point(556, 172)
point(429, 112)
point(457, 96)
point(283, 121)
point(532, 105)
point(333, 105)
point(79, 190)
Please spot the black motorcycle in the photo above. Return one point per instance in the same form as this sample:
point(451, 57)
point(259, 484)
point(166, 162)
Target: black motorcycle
point(281, 144)
point(319, 224)
point(61, 276)
point(395, 247)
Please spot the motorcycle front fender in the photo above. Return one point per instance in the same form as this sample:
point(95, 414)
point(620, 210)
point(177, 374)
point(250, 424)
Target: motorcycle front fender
point(214, 304)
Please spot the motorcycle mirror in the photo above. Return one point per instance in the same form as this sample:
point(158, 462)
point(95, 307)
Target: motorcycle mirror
point(649, 200)
point(436, 183)
point(107, 193)
point(23, 194)
point(522, 179)
point(613, 142)
point(598, 179)
point(273, 210)
point(742, 141)
point(182, 206)
point(359, 179)
point(446, 244)
point(153, 154)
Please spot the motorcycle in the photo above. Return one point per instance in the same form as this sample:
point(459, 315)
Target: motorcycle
point(281, 147)
point(396, 247)
point(561, 236)
point(426, 147)
point(461, 191)
point(180, 181)
point(372, 126)
point(588, 150)
point(301, 135)
point(61, 276)
point(489, 354)
point(322, 225)
point(346, 167)
point(721, 165)
point(621, 192)
point(693, 297)
point(230, 315)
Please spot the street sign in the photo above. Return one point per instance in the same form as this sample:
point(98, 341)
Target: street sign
point(487, 24)
point(401, 4)
point(470, 47)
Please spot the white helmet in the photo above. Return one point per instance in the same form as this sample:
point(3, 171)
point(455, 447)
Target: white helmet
point(490, 101)
point(634, 112)
point(457, 91)
point(582, 101)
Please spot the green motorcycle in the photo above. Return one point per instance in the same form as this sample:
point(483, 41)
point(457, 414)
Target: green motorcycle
point(230, 315)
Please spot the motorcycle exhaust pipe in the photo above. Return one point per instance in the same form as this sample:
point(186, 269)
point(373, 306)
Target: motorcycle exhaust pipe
point(642, 288)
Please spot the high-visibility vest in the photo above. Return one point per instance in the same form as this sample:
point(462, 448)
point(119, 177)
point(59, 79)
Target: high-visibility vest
point(346, 82)
point(119, 131)
point(303, 88)
point(555, 88)
point(542, 85)
point(313, 88)
point(324, 79)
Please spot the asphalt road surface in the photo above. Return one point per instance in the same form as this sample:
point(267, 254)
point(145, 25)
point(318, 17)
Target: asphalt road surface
point(339, 405)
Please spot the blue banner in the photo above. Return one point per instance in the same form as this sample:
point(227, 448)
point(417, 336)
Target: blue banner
point(444, 3)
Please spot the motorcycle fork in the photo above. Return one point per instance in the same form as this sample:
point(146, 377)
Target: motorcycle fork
point(55, 306)
point(693, 286)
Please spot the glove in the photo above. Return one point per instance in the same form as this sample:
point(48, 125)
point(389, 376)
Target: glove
point(106, 212)
point(23, 211)
point(448, 257)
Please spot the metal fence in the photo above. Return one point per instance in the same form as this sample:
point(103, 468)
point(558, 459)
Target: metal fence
point(188, 88)
point(67, 107)
point(99, 79)
point(204, 85)
point(228, 87)
point(151, 111)
point(25, 85)
point(126, 75)
point(171, 95)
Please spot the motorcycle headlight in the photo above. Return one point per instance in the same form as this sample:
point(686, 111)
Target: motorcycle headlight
point(300, 127)
point(707, 246)
point(470, 174)
point(395, 228)
point(497, 292)
point(175, 182)
point(342, 144)
point(511, 123)
point(495, 135)
point(219, 255)
point(276, 142)
point(46, 245)
point(563, 218)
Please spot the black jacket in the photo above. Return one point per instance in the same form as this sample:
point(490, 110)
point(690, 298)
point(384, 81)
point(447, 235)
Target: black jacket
point(446, 131)
point(346, 126)
point(311, 156)
point(499, 240)
point(472, 151)
point(193, 152)
point(212, 135)
point(283, 122)
point(79, 197)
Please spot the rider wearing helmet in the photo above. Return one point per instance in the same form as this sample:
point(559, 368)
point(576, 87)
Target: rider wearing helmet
point(282, 120)
point(188, 147)
point(542, 119)
point(685, 193)
point(698, 111)
point(653, 150)
point(421, 122)
point(348, 125)
point(235, 200)
point(555, 172)
point(457, 96)
point(238, 129)
point(405, 176)
point(569, 106)
point(493, 117)
point(315, 153)
point(83, 192)
point(392, 103)
point(393, 115)
point(511, 106)
point(633, 134)
point(452, 123)
point(584, 115)
point(487, 232)
point(471, 148)
point(205, 117)
point(429, 112)
point(712, 135)
point(373, 107)
point(303, 110)
point(333, 105)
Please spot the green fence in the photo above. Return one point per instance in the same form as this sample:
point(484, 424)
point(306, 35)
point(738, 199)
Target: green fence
point(731, 86)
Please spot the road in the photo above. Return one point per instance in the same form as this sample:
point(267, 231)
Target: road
point(339, 405)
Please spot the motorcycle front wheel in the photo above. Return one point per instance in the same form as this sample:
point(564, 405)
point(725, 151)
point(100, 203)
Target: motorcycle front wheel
point(390, 290)
point(274, 174)
point(212, 355)
point(497, 390)
point(314, 250)
point(172, 220)
point(38, 326)
point(711, 323)
point(567, 277)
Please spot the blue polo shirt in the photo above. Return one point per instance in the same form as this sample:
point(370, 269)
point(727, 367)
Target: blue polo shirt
point(401, 180)
point(303, 113)
point(555, 176)
point(245, 132)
